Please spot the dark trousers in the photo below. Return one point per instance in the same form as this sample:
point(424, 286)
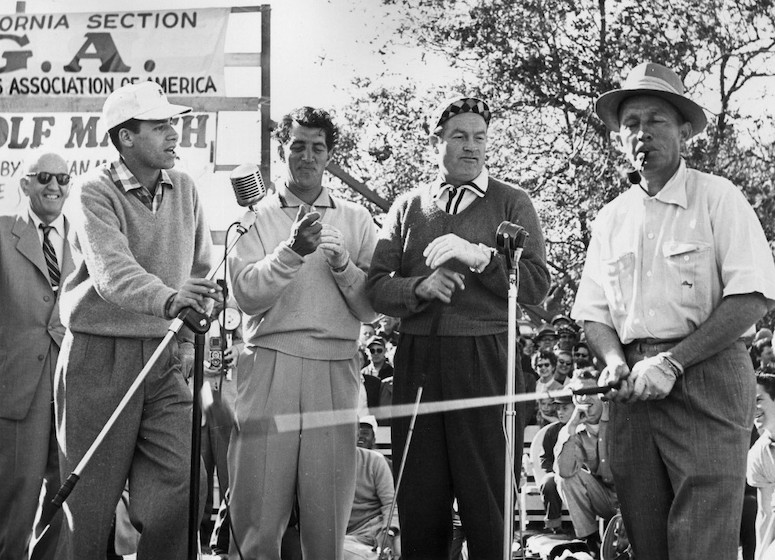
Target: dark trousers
point(679, 463)
point(452, 454)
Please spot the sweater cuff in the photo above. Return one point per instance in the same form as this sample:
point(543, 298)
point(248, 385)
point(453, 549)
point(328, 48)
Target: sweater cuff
point(409, 295)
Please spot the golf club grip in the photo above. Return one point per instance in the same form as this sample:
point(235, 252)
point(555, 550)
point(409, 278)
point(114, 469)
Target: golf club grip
point(65, 489)
point(595, 390)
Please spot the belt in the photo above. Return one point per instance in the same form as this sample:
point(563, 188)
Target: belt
point(640, 343)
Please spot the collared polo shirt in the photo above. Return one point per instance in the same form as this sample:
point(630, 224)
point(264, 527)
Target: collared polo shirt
point(123, 176)
point(455, 200)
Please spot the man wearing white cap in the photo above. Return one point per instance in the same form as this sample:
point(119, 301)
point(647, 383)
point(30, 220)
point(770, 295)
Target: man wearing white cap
point(678, 269)
point(436, 267)
point(144, 250)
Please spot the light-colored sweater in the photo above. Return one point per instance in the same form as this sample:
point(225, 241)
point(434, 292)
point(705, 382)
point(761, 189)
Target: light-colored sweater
point(299, 305)
point(373, 490)
point(130, 260)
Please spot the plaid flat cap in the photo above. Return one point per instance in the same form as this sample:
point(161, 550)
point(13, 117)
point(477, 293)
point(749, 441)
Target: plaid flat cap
point(457, 105)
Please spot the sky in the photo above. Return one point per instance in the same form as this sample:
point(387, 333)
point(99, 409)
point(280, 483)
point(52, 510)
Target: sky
point(318, 47)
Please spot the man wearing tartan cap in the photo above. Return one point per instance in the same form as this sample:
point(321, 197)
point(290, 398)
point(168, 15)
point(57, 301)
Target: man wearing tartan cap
point(436, 267)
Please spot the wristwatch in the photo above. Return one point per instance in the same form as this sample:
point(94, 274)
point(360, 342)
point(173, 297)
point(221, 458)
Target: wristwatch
point(490, 252)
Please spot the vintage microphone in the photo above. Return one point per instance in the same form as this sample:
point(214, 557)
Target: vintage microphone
point(249, 191)
point(248, 185)
point(511, 242)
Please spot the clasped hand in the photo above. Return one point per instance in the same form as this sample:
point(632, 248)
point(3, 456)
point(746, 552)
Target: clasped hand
point(450, 246)
point(650, 379)
point(305, 232)
point(194, 293)
point(332, 244)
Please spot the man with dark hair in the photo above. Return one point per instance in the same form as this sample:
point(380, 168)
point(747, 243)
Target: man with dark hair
point(677, 271)
point(437, 269)
point(145, 249)
point(300, 277)
point(580, 351)
point(34, 258)
point(761, 463)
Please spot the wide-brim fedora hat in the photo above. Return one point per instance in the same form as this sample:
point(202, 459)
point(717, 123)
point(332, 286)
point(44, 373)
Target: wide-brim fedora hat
point(650, 78)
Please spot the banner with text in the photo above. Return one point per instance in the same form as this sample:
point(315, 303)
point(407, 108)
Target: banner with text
point(92, 54)
point(84, 144)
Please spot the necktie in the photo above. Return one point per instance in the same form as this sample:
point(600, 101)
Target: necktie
point(51, 257)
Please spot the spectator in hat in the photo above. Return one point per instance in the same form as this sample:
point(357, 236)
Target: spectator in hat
point(561, 320)
point(380, 366)
point(144, 250)
point(582, 466)
point(542, 457)
point(374, 493)
point(436, 267)
point(677, 271)
point(567, 336)
point(546, 338)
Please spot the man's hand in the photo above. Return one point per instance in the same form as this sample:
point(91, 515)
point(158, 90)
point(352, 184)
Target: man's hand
point(393, 542)
point(450, 246)
point(305, 233)
point(653, 379)
point(332, 244)
point(441, 284)
point(193, 293)
point(578, 417)
point(616, 373)
point(230, 357)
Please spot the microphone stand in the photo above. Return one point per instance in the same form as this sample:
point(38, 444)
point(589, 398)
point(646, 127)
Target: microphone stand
point(196, 322)
point(511, 239)
point(196, 447)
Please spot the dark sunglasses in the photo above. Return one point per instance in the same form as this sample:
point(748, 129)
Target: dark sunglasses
point(564, 363)
point(376, 350)
point(44, 177)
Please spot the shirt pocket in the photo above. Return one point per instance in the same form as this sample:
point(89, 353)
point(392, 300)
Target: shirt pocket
point(618, 280)
point(688, 271)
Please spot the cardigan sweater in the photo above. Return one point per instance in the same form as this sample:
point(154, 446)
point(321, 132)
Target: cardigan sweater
point(481, 308)
point(130, 260)
point(299, 305)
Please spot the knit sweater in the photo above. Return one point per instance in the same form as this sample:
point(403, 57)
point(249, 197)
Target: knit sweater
point(131, 260)
point(299, 305)
point(373, 490)
point(398, 265)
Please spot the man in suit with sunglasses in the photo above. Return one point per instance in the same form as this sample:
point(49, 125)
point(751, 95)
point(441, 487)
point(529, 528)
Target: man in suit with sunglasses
point(34, 259)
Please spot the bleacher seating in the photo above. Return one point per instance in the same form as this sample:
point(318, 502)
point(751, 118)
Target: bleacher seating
point(529, 499)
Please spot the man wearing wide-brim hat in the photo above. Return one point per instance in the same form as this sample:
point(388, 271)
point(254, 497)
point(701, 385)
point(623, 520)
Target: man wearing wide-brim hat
point(678, 269)
point(436, 267)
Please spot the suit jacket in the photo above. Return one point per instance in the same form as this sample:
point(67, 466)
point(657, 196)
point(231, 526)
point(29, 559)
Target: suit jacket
point(29, 312)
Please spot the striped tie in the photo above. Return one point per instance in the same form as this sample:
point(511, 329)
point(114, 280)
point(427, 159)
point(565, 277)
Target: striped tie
point(51, 258)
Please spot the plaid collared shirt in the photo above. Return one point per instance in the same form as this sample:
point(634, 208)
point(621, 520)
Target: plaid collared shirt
point(122, 176)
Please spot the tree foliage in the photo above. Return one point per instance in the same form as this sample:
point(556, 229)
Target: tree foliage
point(541, 64)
